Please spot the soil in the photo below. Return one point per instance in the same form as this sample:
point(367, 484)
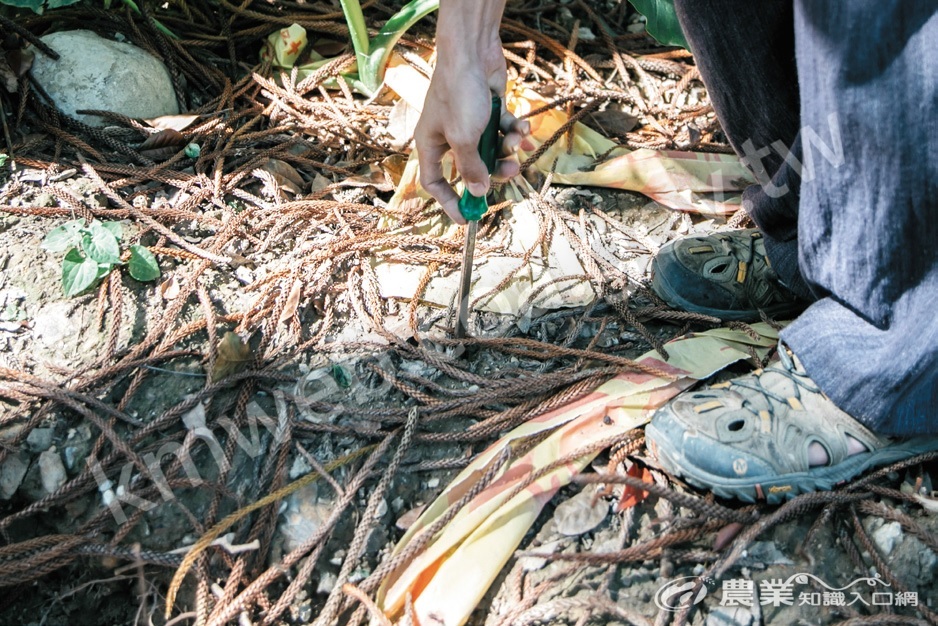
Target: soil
point(333, 394)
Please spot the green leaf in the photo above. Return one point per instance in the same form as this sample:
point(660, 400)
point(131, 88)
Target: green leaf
point(341, 376)
point(63, 237)
point(143, 265)
point(55, 4)
point(371, 69)
point(100, 244)
point(103, 270)
point(356, 26)
point(661, 21)
point(35, 5)
point(78, 272)
point(116, 229)
point(3, 159)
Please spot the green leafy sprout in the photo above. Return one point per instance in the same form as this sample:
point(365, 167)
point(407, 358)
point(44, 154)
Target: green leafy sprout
point(92, 251)
point(372, 55)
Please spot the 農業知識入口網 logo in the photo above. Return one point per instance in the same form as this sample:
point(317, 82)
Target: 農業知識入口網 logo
point(684, 592)
point(681, 593)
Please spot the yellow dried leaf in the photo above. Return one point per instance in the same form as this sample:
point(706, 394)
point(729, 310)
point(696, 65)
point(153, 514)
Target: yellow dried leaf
point(393, 167)
point(233, 356)
point(293, 302)
point(172, 122)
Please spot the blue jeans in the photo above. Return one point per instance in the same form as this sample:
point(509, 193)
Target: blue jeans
point(834, 105)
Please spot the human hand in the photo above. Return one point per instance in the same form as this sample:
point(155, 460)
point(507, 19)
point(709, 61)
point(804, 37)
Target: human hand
point(456, 111)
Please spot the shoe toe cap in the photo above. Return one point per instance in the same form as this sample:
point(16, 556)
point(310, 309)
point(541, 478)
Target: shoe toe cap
point(687, 450)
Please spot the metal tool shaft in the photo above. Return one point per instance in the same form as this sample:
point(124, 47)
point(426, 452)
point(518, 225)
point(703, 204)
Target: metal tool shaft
point(472, 209)
point(462, 316)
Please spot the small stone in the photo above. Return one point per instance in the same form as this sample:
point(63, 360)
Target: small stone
point(326, 583)
point(51, 470)
point(12, 472)
point(729, 616)
point(51, 325)
point(40, 439)
point(299, 468)
point(244, 275)
point(580, 514)
point(45, 200)
point(885, 537)
point(382, 509)
point(302, 516)
point(304, 613)
point(97, 73)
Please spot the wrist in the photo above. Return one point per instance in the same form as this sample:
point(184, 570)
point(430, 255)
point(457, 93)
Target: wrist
point(468, 33)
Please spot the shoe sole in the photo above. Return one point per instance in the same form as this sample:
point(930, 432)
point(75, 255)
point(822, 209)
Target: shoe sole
point(670, 295)
point(783, 487)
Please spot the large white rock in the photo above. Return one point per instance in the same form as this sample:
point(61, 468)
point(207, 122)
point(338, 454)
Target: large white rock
point(97, 73)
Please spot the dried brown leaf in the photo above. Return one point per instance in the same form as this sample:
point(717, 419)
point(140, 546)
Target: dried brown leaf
point(614, 121)
point(163, 139)
point(580, 514)
point(393, 167)
point(14, 65)
point(172, 122)
point(293, 302)
point(169, 288)
point(285, 175)
point(369, 176)
point(7, 75)
point(402, 121)
point(233, 356)
point(158, 154)
point(328, 48)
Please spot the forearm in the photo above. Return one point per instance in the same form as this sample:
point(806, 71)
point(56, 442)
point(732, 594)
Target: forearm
point(467, 31)
point(470, 67)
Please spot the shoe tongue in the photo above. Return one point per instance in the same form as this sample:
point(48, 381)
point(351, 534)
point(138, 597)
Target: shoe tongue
point(788, 359)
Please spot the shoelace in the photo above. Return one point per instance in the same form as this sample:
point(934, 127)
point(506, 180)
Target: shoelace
point(786, 368)
point(747, 267)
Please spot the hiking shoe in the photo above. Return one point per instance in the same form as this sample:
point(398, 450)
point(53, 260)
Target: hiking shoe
point(726, 275)
point(749, 438)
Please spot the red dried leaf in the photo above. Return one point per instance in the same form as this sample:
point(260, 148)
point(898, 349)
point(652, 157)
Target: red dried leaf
point(632, 495)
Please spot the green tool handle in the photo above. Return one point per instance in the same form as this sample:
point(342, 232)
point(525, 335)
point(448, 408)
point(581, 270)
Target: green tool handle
point(472, 207)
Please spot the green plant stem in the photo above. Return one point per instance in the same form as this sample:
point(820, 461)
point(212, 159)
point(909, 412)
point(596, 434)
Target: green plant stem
point(6, 137)
point(159, 26)
point(357, 29)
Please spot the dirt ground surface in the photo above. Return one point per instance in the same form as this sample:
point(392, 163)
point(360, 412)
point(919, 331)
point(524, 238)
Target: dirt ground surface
point(268, 329)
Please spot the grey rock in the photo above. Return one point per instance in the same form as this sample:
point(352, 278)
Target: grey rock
point(51, 325)
point(729, 616)
point(97, 73)
point(326, 583)
point(302, 514)
point(12, 472)
point(40, 439)
point(764, 553)
point(885, 537)
point(51, 470)
point(580, 514)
